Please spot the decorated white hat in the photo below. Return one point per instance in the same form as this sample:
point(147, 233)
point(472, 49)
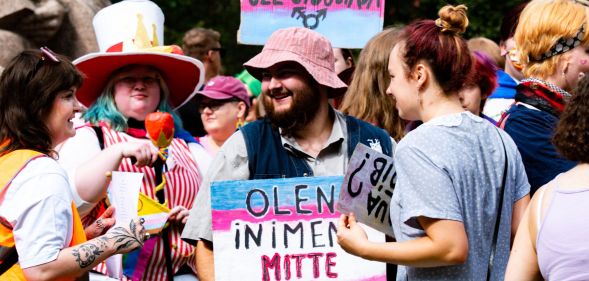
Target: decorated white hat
point(131, 32)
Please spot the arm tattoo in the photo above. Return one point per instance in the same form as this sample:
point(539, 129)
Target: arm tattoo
point(122, 239)
point(86, 254)
point(125, 238)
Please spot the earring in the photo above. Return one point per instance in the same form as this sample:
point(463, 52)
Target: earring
point(239, 124)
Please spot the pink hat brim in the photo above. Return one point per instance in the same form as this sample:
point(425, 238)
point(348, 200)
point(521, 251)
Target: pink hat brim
point(183, 75)
point(217, 95)
point(269, 57)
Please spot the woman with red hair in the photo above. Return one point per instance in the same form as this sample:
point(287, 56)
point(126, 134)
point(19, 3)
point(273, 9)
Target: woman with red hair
point(474, 94)
point(453, 210)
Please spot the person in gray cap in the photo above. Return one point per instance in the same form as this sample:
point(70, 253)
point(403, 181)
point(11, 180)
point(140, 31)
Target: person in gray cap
point(302, 135)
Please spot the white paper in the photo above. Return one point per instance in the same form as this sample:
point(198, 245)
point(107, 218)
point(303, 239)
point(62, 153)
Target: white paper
point(123, 194)
point(114, 266)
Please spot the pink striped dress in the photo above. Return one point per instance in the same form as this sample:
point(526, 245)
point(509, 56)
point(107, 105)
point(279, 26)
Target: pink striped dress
point(183, 181)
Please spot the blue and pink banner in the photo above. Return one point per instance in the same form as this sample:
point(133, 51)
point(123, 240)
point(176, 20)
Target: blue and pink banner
point(347, 23)
point(283, 229)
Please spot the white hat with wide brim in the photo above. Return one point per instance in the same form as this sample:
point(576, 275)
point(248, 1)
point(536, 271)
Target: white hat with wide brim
point(122, 31)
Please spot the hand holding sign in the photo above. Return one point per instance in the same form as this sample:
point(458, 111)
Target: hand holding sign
point(368, 188)
point(350, 235)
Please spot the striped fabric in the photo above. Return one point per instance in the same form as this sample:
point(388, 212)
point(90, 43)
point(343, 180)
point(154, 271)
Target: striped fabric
point(183, 181)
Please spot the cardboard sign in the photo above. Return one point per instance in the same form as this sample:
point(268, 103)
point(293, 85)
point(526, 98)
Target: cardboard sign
point(283, 229)
point(346, 23)
point(368, 188)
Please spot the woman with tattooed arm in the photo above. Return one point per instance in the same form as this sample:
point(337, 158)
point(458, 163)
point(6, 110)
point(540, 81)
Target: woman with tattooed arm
point(39, 224)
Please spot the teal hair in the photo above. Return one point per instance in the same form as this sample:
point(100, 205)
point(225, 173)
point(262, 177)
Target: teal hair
point(105, 109)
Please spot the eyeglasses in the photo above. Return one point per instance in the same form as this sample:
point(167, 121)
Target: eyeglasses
point(221, 50)
point(130, 81)
point(214, 105)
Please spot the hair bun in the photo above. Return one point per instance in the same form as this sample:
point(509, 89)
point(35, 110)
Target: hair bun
point(453, 19)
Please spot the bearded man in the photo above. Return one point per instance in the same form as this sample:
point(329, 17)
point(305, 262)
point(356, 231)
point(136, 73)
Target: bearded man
point(302, 135)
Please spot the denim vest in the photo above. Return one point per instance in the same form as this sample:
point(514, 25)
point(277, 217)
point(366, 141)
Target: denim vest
point(267, 157)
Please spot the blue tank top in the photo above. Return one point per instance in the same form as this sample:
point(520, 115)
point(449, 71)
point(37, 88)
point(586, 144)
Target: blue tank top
point(562, 244)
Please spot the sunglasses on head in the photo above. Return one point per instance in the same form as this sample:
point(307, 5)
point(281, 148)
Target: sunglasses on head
point(47, 56)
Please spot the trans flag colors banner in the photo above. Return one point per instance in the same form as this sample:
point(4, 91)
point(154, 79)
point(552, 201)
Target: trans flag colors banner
point(283, 229)
point(347, 23)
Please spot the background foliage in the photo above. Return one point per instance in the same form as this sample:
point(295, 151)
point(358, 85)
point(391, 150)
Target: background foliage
point(223, 15)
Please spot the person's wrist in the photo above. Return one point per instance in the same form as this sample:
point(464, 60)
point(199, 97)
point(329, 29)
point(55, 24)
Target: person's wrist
point(122, 153)
point(364, 249)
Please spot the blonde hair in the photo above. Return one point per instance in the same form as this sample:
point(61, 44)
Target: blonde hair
point(489, 48)
point(541, 24)
point(366, 97)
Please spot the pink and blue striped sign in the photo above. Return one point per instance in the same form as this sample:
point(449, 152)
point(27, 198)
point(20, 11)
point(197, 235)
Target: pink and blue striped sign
point(283, 229)
point(346, 23)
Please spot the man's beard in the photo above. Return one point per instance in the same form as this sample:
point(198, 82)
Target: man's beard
point(303, 108)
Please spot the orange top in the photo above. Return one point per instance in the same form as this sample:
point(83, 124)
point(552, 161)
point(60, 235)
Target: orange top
point(10, 165)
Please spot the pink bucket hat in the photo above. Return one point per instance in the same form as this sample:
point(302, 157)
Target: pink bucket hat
point(225, 87)
point(301, 45)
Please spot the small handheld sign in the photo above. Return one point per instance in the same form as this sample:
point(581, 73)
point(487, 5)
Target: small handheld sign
point(368, 188)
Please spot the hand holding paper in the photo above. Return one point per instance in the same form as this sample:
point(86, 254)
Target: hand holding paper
point(122, 191)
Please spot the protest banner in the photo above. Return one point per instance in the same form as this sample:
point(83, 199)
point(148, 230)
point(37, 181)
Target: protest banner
point(283, 229)
point(368, 188)
point(346, 23)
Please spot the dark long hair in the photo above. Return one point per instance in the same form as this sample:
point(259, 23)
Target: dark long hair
point(28, 87)
point(572, 133)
